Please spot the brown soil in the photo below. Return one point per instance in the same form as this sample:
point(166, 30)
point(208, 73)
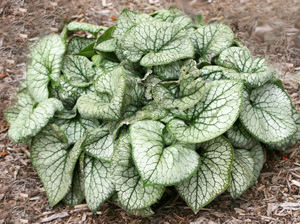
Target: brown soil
point(269, 28)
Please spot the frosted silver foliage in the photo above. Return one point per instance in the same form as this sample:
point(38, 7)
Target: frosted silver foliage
point(267, 114)
point(291, 140)
point(212, 116)
point(129, 185)
point(78, 70)
point(211, 39)
point(156, 43)
point(46, 61)
point(32, 118)
point(77, 44)
point(240, 137)
point(157, 164)
point(238, 64)
point(107, 46)
point(213, 176)
point(168, 72)
point(107, 102)
point(99, 143)
point(242, 174)
point(54, 161)
point(98, 183)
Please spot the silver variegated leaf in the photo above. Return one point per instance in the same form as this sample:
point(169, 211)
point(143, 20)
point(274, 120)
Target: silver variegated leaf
point(46, 61)
point(93, 29)
point(32, 118)
point(211, 39)
point(240, 137)
point(107, 104)
point(98, 183)
point(239, 64)
point(168, 72)
point(132, 194)
point(242, 174)
point(78, 70)
point(213, 176)
point(157, 164)
point(257, 153)
point(156, 43)
point(212, 116)
point(267, 114)
point(54, 161)
point(77, 44)
point(99, 143)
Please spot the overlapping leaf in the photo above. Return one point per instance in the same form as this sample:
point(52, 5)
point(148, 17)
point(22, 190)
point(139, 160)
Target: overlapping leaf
point(212, 116)
point(213, 176)
point(54, 161)
point(157, 164)
point(267, 114)
point(46, 61)
point(156, 43)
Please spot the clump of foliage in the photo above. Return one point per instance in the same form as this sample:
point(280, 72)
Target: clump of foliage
point(154, 101)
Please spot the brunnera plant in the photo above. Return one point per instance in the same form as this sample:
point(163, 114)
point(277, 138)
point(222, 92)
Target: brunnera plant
point(154, 101)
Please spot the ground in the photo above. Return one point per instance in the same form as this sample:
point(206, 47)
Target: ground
point(269, 28)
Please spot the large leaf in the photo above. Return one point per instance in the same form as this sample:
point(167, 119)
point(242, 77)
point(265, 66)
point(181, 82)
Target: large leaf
point(212, 116)
point(127, 19)
point(129, 185)
point(240, 137)
point(99, 143)
point(213, 176)
point(156, 43)
point(267, 114)
point(32, 118)
point(98, 183)
point(78, 70)
point(291, 140)
point(76, 127)
point(168, 72)
point(93, 29)
point(240, 65)
point(242, 174)
point(76, 194)
point(211, 39)
point(157, 164)
point(107, 103)
point(46, 61)
point(54, 161)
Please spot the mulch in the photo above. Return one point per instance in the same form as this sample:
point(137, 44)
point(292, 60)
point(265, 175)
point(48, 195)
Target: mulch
point(269, 28)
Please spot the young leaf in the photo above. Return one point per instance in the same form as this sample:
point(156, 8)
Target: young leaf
point(54, 161)
point(78, 70)
point(242, 174)
point(156, 43)
point(240, 65)
point(267, 114)
point(99, 143)
point(46, 61)
point(213, 176)
point(107, 103)
point(98, 183)
point(157, 164)
point(132, 194)
point(32, 118)
point(168, 72)
point(211, 39)
point(212, 116)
